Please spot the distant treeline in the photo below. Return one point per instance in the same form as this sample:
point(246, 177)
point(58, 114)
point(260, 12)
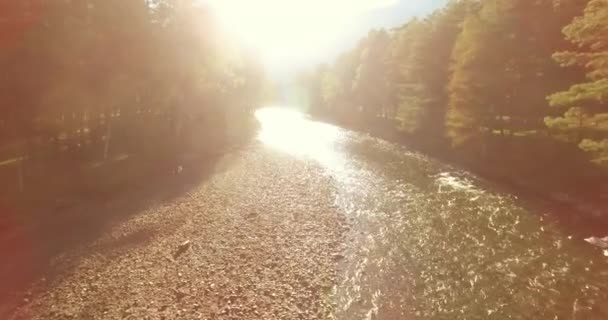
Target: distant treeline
point(84, 81)
point(502, 82)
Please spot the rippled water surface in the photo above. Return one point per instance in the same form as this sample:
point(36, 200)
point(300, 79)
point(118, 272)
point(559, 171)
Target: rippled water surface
point(433, 242)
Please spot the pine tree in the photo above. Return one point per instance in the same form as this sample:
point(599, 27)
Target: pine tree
point(411, 95)
point(473, 94)
point(586, 121)
point(503, 68)
point(371, 84)
point(421, 54)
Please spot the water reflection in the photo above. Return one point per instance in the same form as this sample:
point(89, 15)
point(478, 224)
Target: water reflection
point(429, 241)
point(289, 131)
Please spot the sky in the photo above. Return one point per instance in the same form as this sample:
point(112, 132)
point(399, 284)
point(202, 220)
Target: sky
point(292, 35)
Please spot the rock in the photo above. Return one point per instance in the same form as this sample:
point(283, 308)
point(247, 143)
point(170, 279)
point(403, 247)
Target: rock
point(180, 294)
point(182, 248)
point(256, 268)
point(599, 242)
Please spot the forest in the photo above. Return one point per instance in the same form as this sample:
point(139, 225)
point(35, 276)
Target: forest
point(516, 89)
point(96, 91)
point(454, 166)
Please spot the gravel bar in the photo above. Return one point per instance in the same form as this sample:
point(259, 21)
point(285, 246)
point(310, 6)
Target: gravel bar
point(261, 238)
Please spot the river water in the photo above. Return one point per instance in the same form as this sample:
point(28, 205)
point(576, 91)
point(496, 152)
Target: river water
point(430, 241)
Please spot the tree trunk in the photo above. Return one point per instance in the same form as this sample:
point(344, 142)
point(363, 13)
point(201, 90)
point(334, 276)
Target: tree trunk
point(108, 137)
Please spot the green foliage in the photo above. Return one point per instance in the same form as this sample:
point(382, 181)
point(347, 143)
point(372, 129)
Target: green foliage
point(477, 74)
point(422, 53)
point(371, 86)
point(503, 69)
point(86, 82)
point(82, 72)
point(586, 120)
point(586, 93)
point(471, 98)
point(332, 89)
point(391, 74)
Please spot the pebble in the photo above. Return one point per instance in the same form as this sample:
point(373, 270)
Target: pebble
point(261, 229)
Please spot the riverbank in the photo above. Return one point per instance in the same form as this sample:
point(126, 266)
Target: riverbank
point(575, 197)
point(256, 237)
point(32, 188)
point(65, 205)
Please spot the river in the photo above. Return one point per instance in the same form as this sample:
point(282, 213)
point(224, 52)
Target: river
point(430, 241)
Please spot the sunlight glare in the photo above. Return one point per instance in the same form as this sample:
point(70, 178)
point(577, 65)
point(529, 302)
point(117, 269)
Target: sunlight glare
point(291, 31)
point(289, 131)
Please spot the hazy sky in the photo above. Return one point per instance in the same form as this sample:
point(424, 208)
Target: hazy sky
point(290, 35)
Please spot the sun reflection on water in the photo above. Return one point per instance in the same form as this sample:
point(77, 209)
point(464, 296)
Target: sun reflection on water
point(291, 132)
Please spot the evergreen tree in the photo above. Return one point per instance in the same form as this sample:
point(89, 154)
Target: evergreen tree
point(502, 68)
point(586, 120)
point(98, 78)
point(422, 50)
point(371, 84)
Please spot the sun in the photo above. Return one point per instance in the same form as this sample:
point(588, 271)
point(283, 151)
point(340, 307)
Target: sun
point(290, 31)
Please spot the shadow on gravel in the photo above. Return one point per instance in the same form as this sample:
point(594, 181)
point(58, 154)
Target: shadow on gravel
point(30, 254)
point(134, 239)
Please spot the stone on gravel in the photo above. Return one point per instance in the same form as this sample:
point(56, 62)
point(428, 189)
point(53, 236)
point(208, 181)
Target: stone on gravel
point(181, 249)
point(272, 243)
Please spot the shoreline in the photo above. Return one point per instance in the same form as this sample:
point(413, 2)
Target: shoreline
point(585, 216)
point(256, 244)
